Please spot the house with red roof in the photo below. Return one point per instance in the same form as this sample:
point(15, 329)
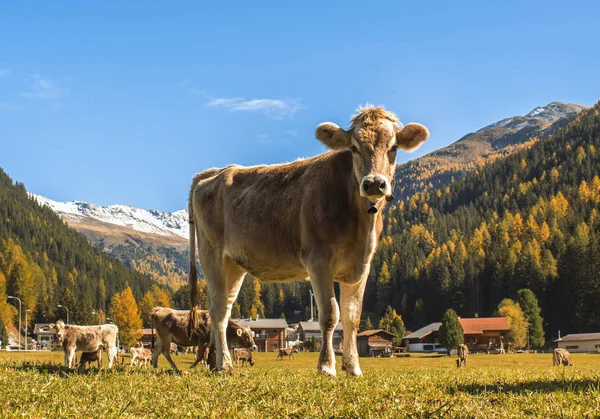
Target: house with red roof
point(481, 334)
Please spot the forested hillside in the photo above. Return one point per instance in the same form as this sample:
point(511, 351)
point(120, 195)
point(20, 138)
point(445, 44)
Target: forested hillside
point(45, 263)
point(529, 220)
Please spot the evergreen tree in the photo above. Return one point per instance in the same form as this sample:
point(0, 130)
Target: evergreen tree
point(368, 324)
point(451, 333)
point(531, 309)
point(3, 335)
point(124, 311)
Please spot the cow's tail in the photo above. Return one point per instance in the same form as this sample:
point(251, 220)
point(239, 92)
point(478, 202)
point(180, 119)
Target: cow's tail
point(193, 276)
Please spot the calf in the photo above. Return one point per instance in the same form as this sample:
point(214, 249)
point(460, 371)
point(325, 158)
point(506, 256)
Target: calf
point(89, 357)
point(243, 354)
point(86, 339)
point(139, 356)
point(289, 352)
point(172, 326)
point(463, 354)
point(560, 357)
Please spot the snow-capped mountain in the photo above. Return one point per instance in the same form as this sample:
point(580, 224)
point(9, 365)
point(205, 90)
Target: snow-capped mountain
point(542, 115)
point(146, 221)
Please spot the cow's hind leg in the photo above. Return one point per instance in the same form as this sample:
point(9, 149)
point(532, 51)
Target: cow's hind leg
point(322, 282)
point(351, 298)
point(223, 282)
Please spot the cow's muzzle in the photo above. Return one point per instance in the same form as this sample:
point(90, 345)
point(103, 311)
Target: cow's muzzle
point(375, 186)
point(254, 348)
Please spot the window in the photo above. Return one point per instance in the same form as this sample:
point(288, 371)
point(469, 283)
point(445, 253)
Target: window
point(597, 346)
point(428, 347)
point(573, 347)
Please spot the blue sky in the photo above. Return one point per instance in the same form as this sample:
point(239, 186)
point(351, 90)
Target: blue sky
point(122, 102)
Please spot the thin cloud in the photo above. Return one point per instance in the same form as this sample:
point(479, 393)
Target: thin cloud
point(11, 106)
point(4, 72)
point(41, 88)
point(291, 132)
point(275, 108)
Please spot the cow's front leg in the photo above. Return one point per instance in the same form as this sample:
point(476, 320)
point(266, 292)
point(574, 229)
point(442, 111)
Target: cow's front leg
point(223, 281)
point(71, 363)
point(322, 282)
point(351, 298)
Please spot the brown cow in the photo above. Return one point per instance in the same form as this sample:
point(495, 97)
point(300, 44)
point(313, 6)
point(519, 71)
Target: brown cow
point(318, 218)
point(463, 353)
point(560, 357)
point(289, 352)
point(172, 327)
point(86, 339)
point(243, 354)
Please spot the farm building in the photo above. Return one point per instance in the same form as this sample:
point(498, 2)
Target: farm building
point(481, 334)
point(374, 343)
point(44, 335)
point(308, 330)
point(269, 334)
point(580, 342)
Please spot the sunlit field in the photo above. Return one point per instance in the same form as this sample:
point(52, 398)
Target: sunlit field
point(37, 385)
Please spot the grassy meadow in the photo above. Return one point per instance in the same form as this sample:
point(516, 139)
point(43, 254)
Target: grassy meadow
point(492, 386)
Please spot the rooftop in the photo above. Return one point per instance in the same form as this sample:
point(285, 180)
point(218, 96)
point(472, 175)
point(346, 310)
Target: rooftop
point(375, 332)
point(471, 326)
point(579, 337)
point(262, 323)
point(43, 328)
point(315, 327)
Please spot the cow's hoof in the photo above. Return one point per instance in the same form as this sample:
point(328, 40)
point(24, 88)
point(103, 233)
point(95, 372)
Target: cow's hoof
point(328, 370)
point(353, 371)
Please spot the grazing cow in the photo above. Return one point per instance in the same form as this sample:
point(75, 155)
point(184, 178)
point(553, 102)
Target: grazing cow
point(172, 326)
point(317, 218)
point(243, 354)
point(140, 355)
point(463, 354)
point(86, 339)
point(289, 352)
point(89, 357)
point(560, 357)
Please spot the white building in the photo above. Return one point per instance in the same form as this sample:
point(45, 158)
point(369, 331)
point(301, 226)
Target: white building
point(580, 342)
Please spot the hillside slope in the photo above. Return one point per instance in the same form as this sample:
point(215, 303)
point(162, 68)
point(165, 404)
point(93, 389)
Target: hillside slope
point(45, 263)
point(530, 220)
point(497, 140)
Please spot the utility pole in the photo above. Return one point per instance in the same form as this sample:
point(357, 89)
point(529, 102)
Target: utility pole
point(311, 305)
point(18, 299)
point(26, 311)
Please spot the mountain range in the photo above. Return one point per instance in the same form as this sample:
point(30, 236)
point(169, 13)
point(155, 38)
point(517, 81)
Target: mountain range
point(156, 242)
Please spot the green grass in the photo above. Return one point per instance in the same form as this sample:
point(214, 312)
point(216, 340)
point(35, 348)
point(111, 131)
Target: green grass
point(493, 386)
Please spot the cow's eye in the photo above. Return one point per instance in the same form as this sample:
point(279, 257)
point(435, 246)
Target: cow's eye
point(353, 149)
point(394, 149)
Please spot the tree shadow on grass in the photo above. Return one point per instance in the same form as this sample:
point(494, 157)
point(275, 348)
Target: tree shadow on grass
point(571, 385)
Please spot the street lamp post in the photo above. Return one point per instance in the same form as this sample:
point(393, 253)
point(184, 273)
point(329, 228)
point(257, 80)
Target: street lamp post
point(61, 306)
point(311, 305)
point(19, 300)
point(26, 311)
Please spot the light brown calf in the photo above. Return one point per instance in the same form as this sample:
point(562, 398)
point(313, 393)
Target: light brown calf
point(560, 357)
point(140, 356)
point(463, 353)
point(289, 352)
point(318, 218)
point(86, 339)
point(244, 355)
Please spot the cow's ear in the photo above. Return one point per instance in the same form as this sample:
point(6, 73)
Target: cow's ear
point(240, 332)
point(334, 137)
point(411, 136)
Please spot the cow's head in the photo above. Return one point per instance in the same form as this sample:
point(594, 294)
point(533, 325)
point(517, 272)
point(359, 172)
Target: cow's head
point(59, 326)
point(374, 137)
point(245, 338)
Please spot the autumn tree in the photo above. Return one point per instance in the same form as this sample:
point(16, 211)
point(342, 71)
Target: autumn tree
point(368, 324)
point(124, 311)
point(147, 303)
point(3, 335)
point(451, 333)
point(517, 324)
point(393, 323)
point(531, 310)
